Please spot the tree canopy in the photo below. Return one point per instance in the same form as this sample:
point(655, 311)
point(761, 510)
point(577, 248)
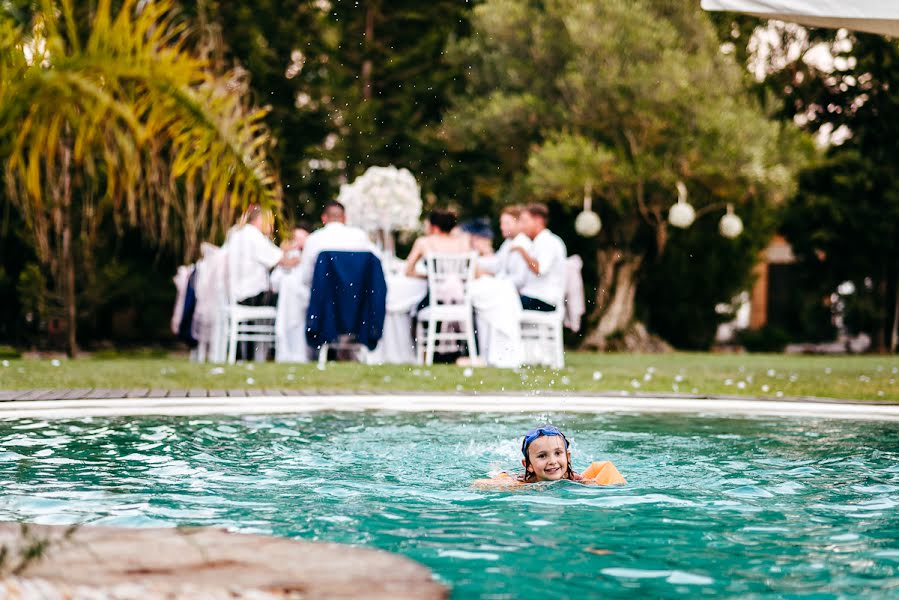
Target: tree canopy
point(625, 99)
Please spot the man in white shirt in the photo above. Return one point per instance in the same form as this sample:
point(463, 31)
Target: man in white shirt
point(251, 255)
point(506, 264)
point(544, 285)
point(335, 235)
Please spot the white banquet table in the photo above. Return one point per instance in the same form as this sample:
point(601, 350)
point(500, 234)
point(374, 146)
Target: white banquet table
point(403, 295)
point(497, 309)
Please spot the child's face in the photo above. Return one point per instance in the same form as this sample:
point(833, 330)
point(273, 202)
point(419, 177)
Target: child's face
point(549, 460)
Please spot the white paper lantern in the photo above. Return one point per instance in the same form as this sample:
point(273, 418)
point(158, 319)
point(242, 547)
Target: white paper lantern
point(587, 223)
point(681, 214)
point(731, 225)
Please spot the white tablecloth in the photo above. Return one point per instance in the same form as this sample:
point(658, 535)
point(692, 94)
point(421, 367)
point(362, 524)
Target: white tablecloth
point(290, 325)
point(497, 308)
point(403, 295)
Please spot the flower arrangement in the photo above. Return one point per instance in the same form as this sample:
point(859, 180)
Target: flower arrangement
point(383, 199)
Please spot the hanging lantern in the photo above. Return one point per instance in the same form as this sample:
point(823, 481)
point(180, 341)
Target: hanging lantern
point(681, 213)
point(731, 225)
point(587, 223)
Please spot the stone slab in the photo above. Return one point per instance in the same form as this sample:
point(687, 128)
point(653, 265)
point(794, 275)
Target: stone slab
point(103, 563)
point(75, 394)
point(33, 394)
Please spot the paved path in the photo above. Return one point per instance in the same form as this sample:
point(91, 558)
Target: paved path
point(105, 394)
point(99, 394)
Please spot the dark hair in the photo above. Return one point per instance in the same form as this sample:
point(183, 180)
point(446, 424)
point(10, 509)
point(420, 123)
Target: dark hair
point(538, 210)
point(304, 225)
point(528, 476)
point(478, 227)
point(444, 220)
point(333, 207)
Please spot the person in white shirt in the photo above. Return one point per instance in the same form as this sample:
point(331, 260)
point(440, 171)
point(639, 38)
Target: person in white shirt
point(506, 264)
point(293, 298)
point(335, 235)
point(251, 256)
point(544, 286)
point(292, 247)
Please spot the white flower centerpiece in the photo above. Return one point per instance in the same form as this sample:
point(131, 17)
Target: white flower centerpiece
point(381, 201)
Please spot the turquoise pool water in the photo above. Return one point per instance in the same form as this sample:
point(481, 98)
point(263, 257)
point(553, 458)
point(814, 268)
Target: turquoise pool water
point(763, 507)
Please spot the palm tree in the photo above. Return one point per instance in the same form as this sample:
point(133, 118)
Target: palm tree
point(128, 119)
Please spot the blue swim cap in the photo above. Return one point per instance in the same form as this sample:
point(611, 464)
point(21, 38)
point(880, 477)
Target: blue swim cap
point(533, 434)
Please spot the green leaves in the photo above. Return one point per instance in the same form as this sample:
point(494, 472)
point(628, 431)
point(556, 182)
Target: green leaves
point(141, 112)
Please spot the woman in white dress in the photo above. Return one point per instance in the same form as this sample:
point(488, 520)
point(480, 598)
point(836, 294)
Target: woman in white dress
point(438, 240)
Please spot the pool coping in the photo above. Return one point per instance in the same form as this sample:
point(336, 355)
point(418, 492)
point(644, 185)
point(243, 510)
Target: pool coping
point(281, 403)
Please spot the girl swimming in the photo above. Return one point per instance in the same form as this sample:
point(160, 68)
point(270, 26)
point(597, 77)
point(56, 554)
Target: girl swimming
point(546, 458)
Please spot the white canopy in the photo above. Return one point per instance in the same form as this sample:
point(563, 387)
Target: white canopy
point(874, 16)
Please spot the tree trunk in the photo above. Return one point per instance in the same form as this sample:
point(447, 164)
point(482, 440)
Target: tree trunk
point(67, 270)
point(367, 64)
point(615, 296)
point(71, 307)
point(894, 338)
point(880, 337)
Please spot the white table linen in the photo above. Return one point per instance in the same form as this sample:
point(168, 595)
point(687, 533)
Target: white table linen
point(403, 295)
point(290, 324)
point(497, 307)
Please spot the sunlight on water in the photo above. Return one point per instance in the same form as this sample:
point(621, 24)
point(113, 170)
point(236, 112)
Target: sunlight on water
point(712, 506)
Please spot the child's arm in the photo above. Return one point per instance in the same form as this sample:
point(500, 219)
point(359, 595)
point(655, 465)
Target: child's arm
point(499, 481)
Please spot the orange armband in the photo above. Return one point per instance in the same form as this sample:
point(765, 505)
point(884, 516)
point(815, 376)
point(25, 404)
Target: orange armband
point(603, 473)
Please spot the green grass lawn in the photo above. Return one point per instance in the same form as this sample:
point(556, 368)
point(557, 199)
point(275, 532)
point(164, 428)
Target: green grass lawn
point(751, 375)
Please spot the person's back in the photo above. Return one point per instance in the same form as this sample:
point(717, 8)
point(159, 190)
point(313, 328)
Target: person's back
point(334, 235)
point(250, 258)
point(439, 240)
point(445, 244)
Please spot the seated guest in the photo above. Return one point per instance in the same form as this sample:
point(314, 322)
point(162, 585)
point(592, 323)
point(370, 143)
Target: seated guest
point(297, 239)
point(438, 240)
point(480, 236)
point(251, 256)
point(334, 235)
point(506, 264)
point(544, 285)
point(292, 247)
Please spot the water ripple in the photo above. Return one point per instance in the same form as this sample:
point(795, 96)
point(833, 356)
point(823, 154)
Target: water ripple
point(736, 507)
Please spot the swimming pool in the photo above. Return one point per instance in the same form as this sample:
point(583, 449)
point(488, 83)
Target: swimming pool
point(714, 506)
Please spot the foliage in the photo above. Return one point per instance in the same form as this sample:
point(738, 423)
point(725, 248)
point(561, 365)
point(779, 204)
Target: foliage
point(681, 304)
point(622, 99)
point(114, 113)
point(842, 224)
point(29, 549)
point(765, 339)
point(351, 85)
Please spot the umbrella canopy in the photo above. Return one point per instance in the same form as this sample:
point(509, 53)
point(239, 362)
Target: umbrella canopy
point(874, 16)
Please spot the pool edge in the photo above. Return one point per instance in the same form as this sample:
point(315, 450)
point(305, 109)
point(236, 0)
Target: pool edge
point(195, 406)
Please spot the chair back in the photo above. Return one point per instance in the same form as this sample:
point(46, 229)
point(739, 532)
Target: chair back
point(348, 296)
point(449, 276)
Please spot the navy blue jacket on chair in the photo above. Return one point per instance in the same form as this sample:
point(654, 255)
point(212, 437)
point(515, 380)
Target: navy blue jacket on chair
point(348, 296)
